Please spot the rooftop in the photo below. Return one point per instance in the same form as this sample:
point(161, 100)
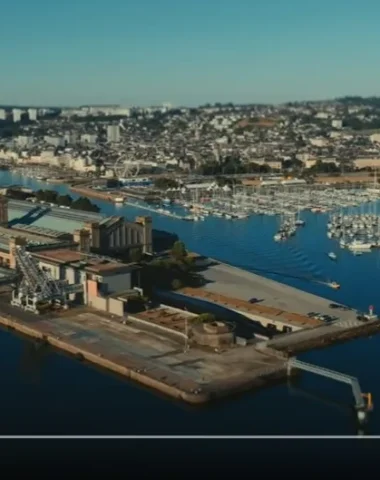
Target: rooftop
point(32, 238)
point(91, 263)
point(45, 232)
point(47, 217)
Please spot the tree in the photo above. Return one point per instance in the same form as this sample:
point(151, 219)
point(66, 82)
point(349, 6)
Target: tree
point(64, 200)
point(49, 196)
point(135, 255)
point(205, 318)
point(136, 304)
point(176, 284)
point(163, 183)
point(293, 163)
point(83, 203)
point(179, 251)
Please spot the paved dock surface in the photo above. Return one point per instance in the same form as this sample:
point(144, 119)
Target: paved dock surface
point(301, 336)
point(161, 357)
point(238, 283)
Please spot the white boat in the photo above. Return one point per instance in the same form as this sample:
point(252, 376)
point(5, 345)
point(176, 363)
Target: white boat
point(358, 245)
point(277, 237)
point(119, 200)
point(332, 255)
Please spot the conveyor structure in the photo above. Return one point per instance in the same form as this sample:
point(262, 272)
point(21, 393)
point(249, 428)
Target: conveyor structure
point(363, 401)
point(37, 286)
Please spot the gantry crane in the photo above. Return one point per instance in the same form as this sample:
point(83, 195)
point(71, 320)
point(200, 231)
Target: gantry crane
point(37, 287)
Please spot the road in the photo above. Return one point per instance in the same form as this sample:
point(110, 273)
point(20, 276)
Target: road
point(234, 282)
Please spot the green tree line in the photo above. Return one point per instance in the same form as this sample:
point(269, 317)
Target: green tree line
point(81, 203)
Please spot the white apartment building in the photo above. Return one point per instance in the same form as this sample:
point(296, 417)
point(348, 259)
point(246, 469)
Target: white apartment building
point(113, 133)
point(16, 114)
point(32, 113)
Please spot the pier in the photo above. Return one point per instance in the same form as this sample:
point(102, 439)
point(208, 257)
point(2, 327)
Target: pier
point(159, 211)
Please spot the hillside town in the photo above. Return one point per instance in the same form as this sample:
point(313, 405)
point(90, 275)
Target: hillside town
point(333, 137)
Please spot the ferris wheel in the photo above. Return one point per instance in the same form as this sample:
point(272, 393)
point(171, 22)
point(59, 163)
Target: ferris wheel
point(124, 167)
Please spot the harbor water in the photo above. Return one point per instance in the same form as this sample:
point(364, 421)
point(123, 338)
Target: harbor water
point(48, 392)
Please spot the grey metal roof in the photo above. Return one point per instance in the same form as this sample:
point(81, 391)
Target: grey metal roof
point(38, 230)
point(47, 217)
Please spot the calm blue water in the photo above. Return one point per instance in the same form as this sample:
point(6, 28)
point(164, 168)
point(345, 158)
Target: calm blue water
point(45, 392)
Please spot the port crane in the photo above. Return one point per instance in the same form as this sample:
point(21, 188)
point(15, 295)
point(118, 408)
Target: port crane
point(37, 287)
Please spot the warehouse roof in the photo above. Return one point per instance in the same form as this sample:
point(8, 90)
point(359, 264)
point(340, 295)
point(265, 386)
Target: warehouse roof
point(48, 217)
point(91, 263)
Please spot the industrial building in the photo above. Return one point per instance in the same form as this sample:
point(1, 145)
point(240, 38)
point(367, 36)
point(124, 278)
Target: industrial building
point(92, 232)
point(102, 283)
point(57, 265)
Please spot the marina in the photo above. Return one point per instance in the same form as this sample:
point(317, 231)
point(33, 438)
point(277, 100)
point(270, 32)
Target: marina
point(358, 232)
point(285, 202)
point(302, 255)
point(161, 211)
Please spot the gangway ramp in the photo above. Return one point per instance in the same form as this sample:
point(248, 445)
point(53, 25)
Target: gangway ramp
point(360, 403)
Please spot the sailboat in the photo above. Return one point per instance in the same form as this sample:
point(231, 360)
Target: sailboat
point(299, 222)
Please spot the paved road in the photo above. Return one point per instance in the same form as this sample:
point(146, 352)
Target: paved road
point(237, 283)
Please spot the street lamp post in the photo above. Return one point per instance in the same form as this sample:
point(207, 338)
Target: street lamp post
point(186, 336)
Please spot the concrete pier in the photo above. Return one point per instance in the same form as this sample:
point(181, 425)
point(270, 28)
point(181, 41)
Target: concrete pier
point(235, 282)
point(149, 358)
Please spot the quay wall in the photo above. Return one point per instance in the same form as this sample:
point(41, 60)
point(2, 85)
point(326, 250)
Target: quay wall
point(215, 391)
point(91, 193)
point(327, 339)
point(100, 360)
point(105, 196)
point(137, 369)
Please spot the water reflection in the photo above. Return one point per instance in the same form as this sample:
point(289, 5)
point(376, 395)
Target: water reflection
point(358, 428)
point(31, 361)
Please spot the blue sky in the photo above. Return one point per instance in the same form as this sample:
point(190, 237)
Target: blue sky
point(187, 52)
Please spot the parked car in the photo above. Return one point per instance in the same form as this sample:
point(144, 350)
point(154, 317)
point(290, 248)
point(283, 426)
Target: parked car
point(253, 300)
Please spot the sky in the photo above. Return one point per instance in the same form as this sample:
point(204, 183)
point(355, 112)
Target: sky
point(146, 52)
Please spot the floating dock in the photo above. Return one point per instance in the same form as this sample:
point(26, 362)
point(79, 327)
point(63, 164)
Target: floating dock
point(166, 213)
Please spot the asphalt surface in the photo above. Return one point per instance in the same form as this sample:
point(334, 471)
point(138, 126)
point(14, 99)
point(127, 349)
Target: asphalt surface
point(236, 283)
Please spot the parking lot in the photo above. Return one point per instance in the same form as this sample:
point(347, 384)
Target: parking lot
point(339, 310)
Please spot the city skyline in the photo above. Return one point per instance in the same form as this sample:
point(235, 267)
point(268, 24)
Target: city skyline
point(155, 52)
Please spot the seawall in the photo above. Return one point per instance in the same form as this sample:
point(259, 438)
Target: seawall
point(135, 372)
point(134, 368)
